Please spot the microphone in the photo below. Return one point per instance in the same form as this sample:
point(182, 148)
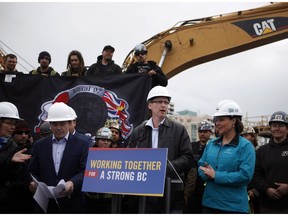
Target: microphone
point(178, 183)
point(179, 180)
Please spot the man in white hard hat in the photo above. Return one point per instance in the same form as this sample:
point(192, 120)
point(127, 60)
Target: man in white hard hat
point(9, 160)
point(162, 132)
point(150, 68)
point(60, 156)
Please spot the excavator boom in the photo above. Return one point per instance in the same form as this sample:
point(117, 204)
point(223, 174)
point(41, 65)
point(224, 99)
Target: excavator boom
point(193, 42)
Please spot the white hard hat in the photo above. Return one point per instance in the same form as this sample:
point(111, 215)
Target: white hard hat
point(60, 111)
point(228, 108)
point(140, 48)
point(248, 130)
point(158, 91)
point(73, 113)
point(8, 110)
point(221, 103)
point(104, 133)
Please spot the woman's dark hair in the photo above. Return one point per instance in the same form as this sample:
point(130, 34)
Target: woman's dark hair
point(81, 59)
point(238, 124)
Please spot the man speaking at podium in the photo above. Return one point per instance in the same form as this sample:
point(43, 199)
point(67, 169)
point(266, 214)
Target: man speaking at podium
point(162, 132)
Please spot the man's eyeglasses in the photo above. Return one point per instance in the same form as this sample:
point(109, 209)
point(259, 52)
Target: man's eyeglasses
point(140, 53)
point(21, 132)
point(160, 102)
point(9, 121)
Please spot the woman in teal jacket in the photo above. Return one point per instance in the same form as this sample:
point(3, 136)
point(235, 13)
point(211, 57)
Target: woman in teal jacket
point(227, 163)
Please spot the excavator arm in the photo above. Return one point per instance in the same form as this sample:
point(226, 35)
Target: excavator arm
point(193, 42)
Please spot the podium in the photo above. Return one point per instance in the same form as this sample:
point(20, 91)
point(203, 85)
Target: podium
point(136, 172)
point(170, 184)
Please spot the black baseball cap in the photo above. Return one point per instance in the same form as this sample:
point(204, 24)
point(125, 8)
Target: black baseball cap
point(109, 47)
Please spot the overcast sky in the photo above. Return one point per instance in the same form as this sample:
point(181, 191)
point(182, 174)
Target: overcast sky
point(256, 79)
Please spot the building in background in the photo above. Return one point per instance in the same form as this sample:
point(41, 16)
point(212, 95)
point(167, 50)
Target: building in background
point(171, 109)
point(190, 120)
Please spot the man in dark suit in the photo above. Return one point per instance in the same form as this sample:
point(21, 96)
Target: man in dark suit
point(60, 156)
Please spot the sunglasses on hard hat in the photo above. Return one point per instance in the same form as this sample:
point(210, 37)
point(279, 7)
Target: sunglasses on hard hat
point(140, 53)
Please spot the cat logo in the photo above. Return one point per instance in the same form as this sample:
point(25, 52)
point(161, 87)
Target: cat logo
point(264, 27)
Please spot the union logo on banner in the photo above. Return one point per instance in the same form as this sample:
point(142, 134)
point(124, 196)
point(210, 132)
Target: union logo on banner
point(95, 99)
point(93, 106)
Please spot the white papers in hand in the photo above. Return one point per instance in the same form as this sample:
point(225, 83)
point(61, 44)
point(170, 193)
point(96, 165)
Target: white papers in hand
point(44, 192)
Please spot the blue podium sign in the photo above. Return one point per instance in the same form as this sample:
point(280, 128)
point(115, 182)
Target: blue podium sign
point(133, 171)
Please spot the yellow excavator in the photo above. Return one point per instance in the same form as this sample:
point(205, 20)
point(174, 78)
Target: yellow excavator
point(193, 42)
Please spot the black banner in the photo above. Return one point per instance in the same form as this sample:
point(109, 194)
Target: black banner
point(95, 99)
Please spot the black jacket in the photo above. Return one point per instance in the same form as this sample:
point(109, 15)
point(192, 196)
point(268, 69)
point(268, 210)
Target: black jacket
point(158, 79)
point(271, 166)
point(8, 169)
point(79, 72)
point(173, 136)
point(9, 173)
point(99, 69)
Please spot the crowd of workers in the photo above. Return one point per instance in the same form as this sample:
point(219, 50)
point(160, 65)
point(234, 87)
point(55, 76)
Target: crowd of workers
point(223, 172)
point(105, 65)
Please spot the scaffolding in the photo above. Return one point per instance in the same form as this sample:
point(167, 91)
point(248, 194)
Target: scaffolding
point(25, 65)
point(260, 125)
